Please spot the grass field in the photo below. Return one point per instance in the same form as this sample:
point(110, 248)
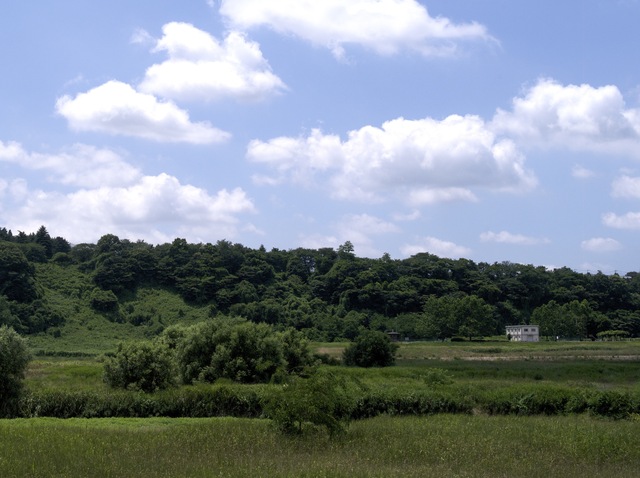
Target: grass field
point(438, 446)
point(471, 444)
point(600, 365)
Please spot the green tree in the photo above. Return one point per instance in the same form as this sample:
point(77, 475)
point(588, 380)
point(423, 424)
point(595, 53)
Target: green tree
point(295, 350)
point(371, 349)
point(550, 319)
point(16, 274)
point(438, 320)
point(43, 238)
point(475, 317)
point(143, 366)
point(229, 348)
point(14, 358)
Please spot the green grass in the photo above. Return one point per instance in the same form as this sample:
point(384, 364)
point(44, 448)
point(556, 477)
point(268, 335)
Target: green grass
point(518, 351)
point(78, 373)
point(57, 373)
point(443, 446)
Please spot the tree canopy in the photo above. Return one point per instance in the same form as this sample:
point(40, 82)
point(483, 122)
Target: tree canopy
point(326, 294)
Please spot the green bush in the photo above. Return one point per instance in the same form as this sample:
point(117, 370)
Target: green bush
point(320, 400)
point(371, 349)
point(613, 404)
point(144, 366)
point(14, 358)
point(237, 350)
point(197, 401)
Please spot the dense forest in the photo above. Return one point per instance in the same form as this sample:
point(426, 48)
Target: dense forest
point(325, 293)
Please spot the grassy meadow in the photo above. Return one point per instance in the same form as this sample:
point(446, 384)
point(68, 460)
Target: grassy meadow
point(438, 446)
point(489, 436)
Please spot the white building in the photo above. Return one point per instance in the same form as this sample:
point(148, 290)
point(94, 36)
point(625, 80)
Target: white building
point(523, 333)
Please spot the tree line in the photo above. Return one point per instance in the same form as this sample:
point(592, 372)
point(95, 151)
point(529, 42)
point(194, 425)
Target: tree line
point(327, 294)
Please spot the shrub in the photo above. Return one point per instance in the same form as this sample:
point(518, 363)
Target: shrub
point(237, 350)
point(321, 400)
point(144, 366)
point(295, 351)
point(234, 349)
point(14, 358)
point(371, 349)
point(612, 404)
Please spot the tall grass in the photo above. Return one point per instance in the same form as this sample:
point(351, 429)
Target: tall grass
point(443, 446)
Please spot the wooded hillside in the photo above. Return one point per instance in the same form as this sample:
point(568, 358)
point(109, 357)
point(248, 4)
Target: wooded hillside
point(327, 294)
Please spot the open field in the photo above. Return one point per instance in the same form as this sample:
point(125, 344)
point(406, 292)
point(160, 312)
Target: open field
point(504, 350)
point(602, 365)
point(494, 432)
point(443, 446)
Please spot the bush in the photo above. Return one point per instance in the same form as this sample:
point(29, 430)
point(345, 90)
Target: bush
point(321, 400)
point(234, 349)
point(143, 366)
point(371, 349)
point(14, 358)
point(237, 350)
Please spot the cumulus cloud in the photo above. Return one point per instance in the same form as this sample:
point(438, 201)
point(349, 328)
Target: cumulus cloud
point(626, 187)
point(630, 220)
point(155, 208)
point(117, 108)
point(359, 229)
point(436, 246)
point(578, 117)
point(384, 26)
point(600, 244)
point(420, 161)
point(200, 67)
point(81, 165)
point(504, 237)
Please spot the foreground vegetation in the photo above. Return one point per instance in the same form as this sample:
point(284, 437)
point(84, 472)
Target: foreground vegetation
point(443, 445)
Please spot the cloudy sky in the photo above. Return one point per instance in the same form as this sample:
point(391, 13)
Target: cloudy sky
point(487, 129)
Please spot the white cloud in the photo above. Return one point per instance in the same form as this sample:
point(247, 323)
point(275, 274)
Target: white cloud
point(437, 195)
point(384, 26)
point(359, 229)
point(437, 247)
point(201, 68)
point(155, 208)
point(626, 187)
point(420, 161)
point(318, 241)
point(580, 172)
point(409, 216)
point(18, 189)
point(81, 165)
point(142, 37)
point(504, 237)
point(116, 108)
point(600, 244)
point(576, 117)
point(630, 220)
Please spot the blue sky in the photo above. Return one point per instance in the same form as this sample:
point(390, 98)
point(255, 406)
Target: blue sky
point(487, 129)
